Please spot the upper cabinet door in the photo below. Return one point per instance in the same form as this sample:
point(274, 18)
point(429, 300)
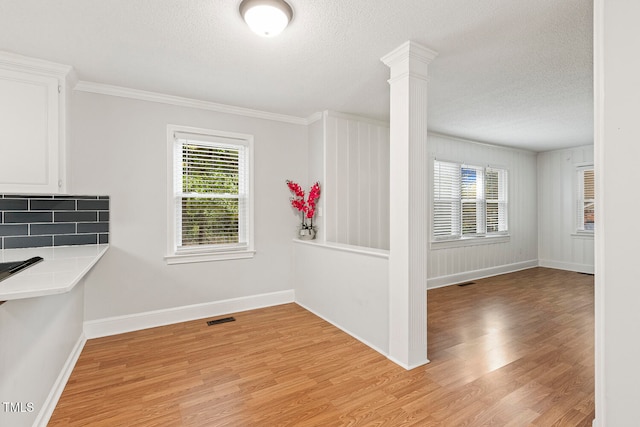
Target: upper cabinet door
point(29, 132)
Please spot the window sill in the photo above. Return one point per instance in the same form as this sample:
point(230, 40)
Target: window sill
point(209, 256)
point(583, 235)
point(469, 241)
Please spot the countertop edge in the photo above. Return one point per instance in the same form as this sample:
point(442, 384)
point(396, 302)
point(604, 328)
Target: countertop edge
point(24, 294)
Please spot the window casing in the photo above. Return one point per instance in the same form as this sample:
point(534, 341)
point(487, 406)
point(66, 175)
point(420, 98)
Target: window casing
point(210, 212)
point(469, 201)
point(585, 208)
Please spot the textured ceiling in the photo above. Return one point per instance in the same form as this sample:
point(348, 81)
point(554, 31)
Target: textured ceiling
point(510, 72)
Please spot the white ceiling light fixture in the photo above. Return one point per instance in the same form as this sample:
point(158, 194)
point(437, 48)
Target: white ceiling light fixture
point(266, 17)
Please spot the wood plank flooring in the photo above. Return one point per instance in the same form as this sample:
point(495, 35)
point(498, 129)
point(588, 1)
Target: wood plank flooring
point(512, 350)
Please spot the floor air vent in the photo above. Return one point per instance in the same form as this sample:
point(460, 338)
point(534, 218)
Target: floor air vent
point(466, 283)
point(223, 320)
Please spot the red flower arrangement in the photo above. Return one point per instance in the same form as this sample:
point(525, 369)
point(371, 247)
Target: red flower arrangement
point(306, 207)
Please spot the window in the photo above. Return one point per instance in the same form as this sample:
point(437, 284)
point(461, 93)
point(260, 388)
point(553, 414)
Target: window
point(586, 200)
point(210, 179)
point(468, 201)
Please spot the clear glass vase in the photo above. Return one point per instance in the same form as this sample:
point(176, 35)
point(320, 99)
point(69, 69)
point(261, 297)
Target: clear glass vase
point(306, 233)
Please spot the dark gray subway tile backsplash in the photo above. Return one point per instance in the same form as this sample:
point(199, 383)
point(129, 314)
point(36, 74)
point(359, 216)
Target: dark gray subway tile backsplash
point(93, 205)
point(51, 229)
point(14, 229)
point(40, 221)
point(75, 239)
point(27, 242)
point(75, 216)
point(14, 205)
point(53, 205)
point(17, 217)
point(93, 227)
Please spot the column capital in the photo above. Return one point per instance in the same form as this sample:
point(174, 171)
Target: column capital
point(410, 58)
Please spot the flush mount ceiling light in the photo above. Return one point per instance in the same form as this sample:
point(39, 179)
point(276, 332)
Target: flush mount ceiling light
point(266, 17)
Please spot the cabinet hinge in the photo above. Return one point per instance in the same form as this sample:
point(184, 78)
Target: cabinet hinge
point(59, 89)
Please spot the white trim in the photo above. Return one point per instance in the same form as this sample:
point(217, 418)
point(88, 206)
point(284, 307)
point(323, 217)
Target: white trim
point(587, 235)
point(569, 266)
point(378, 253)
point(406, 50)
point(17, 62)
point(452, 279)
point(599, 240)
point(51, 401)
point(408, 367)
point(151, 319)
point(172, 256)
point(579, 199)
point(484, 144)
point(142, 95)
point(569, 149)
point(584, 165)
point(346, 331)
point(469, 241)
point(315, 117)
point(209, 256)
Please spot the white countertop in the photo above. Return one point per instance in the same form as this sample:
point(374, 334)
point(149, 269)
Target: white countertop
point(61, 270)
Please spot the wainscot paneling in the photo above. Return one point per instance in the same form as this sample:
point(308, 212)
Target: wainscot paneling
point(559, 244)
point(448, 265)
point(356, 199)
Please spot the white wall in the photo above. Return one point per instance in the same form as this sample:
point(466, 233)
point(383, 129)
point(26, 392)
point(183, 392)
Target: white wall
point(37, 337)
point(118, 149)
point(349, 289)
point(617, 132)
point(356, 180)
point(558, 244)
point(453, 265)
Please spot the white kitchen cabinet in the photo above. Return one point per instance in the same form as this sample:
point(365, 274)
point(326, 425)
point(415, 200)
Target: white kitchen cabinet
point(33, 124)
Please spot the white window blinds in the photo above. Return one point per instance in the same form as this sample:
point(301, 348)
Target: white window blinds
point(472, 200)
point(211, 193)
point(586, 199)
point(469, 201)
point(446, 202)
point(496, 199)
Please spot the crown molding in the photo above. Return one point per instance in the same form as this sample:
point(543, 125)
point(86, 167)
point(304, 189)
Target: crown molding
point(483, 143)
point(123, 92)
point(314, 117)
point(346, 116)
point(19, 62)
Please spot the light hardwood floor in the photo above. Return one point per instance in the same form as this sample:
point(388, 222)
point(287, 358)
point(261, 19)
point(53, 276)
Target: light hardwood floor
point(512, 350)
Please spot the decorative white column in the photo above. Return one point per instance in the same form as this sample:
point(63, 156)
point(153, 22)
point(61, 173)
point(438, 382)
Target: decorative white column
point(408, 204)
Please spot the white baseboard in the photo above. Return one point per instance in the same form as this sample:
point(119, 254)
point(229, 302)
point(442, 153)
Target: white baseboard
point(409, 367)
point(363, 341)
point(438, 282)
point(151, 319)
point(570, 266)
point(58, 387)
